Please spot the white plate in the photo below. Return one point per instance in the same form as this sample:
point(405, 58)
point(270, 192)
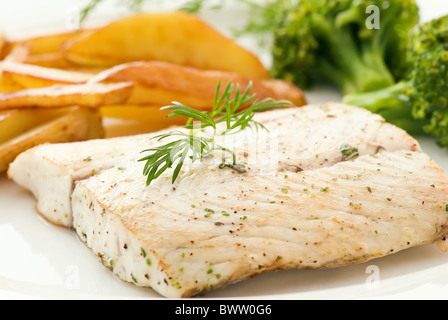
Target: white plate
point(41, 260)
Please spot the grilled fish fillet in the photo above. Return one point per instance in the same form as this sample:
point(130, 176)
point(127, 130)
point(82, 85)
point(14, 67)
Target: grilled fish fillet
point(50, 171)
point(192, 237)
point(306, 138)
point(213, 227)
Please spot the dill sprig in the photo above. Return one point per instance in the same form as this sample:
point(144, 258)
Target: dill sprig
point(234, 109)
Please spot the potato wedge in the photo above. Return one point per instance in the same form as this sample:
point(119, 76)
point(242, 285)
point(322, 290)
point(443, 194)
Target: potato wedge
point(27, 76)
point(19, 53)
point(114, 127)
point(3, 44)
point(51, 42)
point(85, 95)
point(124, 120)
point(161, 83)
point(176, 37)
point(47, 126)
point(15, 122)
point(57, 61)
point(6, 85)
point(49, 60)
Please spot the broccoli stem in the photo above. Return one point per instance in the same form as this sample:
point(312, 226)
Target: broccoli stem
point(391, 97)
point(354, 69)
point(374, 59)
point(392, 103)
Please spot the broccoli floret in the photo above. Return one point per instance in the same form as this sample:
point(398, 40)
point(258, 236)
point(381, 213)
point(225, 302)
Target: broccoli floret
point(418, 103)
point(330, 40)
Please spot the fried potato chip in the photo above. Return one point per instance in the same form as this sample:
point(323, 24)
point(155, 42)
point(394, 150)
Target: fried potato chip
point(175, 37)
